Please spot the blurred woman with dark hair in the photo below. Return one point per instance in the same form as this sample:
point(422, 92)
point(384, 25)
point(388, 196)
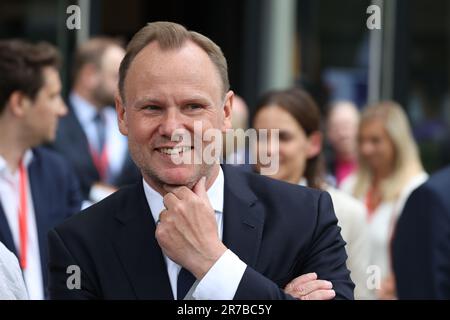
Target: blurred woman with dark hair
point(297, 117)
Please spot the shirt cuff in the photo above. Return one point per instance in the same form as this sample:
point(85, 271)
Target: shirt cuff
point(222, 280)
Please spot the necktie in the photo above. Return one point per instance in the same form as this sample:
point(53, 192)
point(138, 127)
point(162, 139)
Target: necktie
point(99, 150)
point(184, 283)
point(100, 127)
point(186, 279)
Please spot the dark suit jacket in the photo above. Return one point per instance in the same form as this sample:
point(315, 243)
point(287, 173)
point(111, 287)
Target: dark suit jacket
point(56, 196)
point(72, 143)
point(280, 230)
point(421, 247)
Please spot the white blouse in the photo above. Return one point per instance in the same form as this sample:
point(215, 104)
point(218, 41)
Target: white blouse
point(382, 222)
point(351, 215)
point(12, 286)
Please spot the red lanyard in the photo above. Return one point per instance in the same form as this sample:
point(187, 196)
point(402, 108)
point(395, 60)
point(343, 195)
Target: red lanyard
point(23, 226)
point(101, 162)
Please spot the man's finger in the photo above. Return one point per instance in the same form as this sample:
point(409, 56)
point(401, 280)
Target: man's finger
point(170, 200)
point(182, 192)
point(307, 288)
point(290, 290)
point(304, 278)
point(319, 295)
point(200, 188)
point(161, 217)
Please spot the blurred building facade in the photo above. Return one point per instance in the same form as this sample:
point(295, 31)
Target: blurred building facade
point(324, 45)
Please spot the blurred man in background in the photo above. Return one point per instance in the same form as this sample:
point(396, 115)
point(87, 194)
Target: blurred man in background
point(342, 129)
point(88, 136)
point(37, 188)
point(235, 148)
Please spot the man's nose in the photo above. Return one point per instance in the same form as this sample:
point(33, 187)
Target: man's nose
point(170, 122)
point(62, 108)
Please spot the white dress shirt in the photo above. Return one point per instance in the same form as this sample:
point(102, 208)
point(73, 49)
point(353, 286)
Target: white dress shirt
point(9, 199)
point(116, 143)
point(222, 280)
point(12, 286)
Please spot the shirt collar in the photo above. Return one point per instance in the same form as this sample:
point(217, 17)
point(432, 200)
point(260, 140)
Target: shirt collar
point(27, 158)
point(215, 195)
point(84, 110)
point(303, 182)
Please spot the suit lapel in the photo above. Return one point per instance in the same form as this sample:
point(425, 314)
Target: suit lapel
point(243, 217)
point(5, 233)
point(142, 257)
point(41, 207)
point(139, 251)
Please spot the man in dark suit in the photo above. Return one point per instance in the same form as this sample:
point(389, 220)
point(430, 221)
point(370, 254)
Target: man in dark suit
point(421, 246)
point(37, 188)
point(190, 228)
point(88, 136)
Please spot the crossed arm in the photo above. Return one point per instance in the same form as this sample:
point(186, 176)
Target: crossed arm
point(187, 233)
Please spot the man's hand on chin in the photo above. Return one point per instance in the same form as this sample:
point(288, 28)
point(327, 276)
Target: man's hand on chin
point(187, 229)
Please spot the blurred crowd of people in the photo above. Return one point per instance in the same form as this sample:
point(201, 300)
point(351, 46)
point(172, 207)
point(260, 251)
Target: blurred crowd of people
point(371, 170)
point(366, 158)
point(57, 155)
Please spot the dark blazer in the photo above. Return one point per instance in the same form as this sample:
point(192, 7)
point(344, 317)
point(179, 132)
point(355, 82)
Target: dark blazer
point(421, 247)
point(280, 230)
point(72, 143)
point(56, 196)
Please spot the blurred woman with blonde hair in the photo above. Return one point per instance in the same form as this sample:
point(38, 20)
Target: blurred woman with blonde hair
point(389, 170)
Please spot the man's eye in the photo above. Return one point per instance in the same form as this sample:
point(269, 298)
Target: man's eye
point(152, 107)
point(285, 136)
point(193, 106)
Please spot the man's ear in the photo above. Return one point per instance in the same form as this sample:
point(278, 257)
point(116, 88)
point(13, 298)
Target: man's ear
point(121, 115)
point(18, 103)
point(314, 144)
point(227, 108)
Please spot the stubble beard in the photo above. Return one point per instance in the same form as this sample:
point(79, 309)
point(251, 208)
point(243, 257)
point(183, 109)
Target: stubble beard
point(150, 173)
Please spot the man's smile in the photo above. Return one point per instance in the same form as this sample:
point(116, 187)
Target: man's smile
point(174, 150)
